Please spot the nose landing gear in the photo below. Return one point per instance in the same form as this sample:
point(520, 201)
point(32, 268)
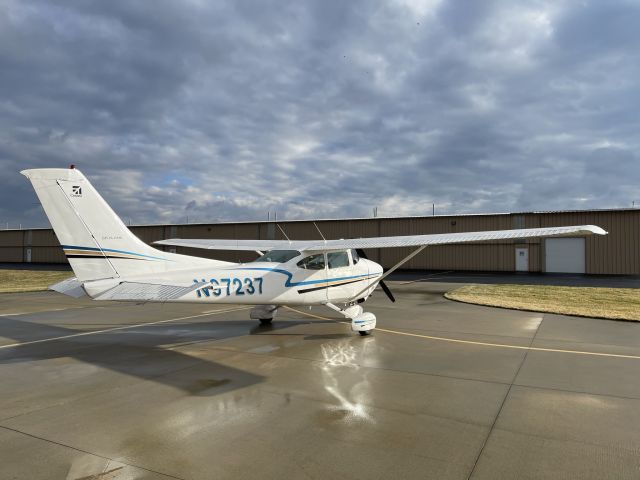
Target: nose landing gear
point(364, 323)
point(361, 321)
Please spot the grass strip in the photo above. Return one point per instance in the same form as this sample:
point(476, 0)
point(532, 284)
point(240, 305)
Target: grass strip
point(12, 281)
point(613, 303)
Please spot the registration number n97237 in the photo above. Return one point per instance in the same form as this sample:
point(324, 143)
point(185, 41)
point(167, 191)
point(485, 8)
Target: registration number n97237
point(230, 286)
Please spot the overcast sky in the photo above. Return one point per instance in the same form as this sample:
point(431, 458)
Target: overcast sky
point(225, 110)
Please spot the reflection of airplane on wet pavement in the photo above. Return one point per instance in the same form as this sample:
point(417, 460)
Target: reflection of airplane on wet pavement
point(110, 263)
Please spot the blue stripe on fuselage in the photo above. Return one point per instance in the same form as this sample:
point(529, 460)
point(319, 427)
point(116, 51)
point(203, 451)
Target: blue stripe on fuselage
point(94, 249)
point(289, 275)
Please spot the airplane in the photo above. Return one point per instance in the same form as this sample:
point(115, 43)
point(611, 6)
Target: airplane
point(111, 263)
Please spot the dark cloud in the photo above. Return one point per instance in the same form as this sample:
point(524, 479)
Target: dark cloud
point(226, 110)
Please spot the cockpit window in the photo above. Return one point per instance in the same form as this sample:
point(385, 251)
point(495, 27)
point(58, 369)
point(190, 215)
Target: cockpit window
point(314, 262)
point(278, 256)
point(354, 256)
point(338, 259)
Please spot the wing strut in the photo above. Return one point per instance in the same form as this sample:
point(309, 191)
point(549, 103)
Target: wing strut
point(394, 268)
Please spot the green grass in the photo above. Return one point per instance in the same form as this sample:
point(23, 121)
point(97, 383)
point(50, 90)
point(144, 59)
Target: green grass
point(12, 281)
point(614, 303)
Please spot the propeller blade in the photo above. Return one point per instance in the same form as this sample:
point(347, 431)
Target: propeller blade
point(361, 253)
point(386, 290)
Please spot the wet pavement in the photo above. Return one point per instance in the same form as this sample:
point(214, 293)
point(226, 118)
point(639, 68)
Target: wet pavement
point(440, 390)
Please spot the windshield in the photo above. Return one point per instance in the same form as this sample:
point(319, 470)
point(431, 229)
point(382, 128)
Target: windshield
point(278, 256)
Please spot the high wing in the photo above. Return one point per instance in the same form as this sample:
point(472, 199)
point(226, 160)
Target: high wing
point(384, 242)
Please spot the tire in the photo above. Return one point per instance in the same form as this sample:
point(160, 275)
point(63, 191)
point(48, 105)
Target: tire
point(365, 333)
point(266, 321)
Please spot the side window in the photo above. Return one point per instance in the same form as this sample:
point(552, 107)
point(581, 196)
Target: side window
point(314, 262)
point(354, 256)
point(338, 259)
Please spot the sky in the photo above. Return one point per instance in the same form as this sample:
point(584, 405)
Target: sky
point(206, 111)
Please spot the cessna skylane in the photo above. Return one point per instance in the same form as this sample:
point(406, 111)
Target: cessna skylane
point(110, 263)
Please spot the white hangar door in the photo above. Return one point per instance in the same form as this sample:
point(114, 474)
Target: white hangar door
point(522, 259)
point(565, 255)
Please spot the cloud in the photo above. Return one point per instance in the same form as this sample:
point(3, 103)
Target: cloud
point(227, 110)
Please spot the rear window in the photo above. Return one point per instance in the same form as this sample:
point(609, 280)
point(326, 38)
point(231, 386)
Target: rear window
point(314, 262)
point(278, 256)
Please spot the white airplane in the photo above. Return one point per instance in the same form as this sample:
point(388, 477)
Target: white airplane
point(110, 263)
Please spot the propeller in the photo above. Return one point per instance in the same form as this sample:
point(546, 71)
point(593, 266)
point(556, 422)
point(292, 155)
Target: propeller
point(386, 290)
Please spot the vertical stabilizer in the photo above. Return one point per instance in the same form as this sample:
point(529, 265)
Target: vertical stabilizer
point(96, 242)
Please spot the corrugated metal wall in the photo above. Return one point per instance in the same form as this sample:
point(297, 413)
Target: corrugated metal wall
point(617, 253)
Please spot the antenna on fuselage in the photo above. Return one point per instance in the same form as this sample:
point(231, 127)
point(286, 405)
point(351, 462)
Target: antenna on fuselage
point(285, 235)
point(317, 228)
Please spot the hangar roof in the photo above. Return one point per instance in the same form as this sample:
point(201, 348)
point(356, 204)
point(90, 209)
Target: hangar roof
point(489, 214)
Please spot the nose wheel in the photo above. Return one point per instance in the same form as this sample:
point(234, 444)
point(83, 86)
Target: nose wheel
point(361, 321)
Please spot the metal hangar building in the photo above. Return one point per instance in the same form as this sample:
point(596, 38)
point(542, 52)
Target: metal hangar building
point(615, 254)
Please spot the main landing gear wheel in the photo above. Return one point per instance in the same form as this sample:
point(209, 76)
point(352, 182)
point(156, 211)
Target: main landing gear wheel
point(264, 313)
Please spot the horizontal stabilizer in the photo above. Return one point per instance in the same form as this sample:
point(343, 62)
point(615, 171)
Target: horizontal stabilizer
point(150, 292)
point(385, 242)
point(71, 287)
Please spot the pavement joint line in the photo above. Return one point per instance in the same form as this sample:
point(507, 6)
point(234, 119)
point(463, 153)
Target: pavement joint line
point(361, 365)
point(486, 344)
point(616, 447)
point(415, 372)
point(151, 378)
point(504, 400)
point(431, 374)
point(87, 452)
point(16, 314)
point(576, 392)
point(125, 327)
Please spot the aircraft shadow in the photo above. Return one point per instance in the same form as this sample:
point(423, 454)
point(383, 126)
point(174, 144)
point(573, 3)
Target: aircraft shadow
point(147, 353)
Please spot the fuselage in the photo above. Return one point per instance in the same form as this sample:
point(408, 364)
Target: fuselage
point(297, 281)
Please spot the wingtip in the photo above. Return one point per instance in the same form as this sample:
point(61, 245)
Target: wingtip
point(597, 230)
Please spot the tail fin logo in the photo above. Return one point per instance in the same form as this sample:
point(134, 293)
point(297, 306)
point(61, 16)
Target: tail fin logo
point(76, 191)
